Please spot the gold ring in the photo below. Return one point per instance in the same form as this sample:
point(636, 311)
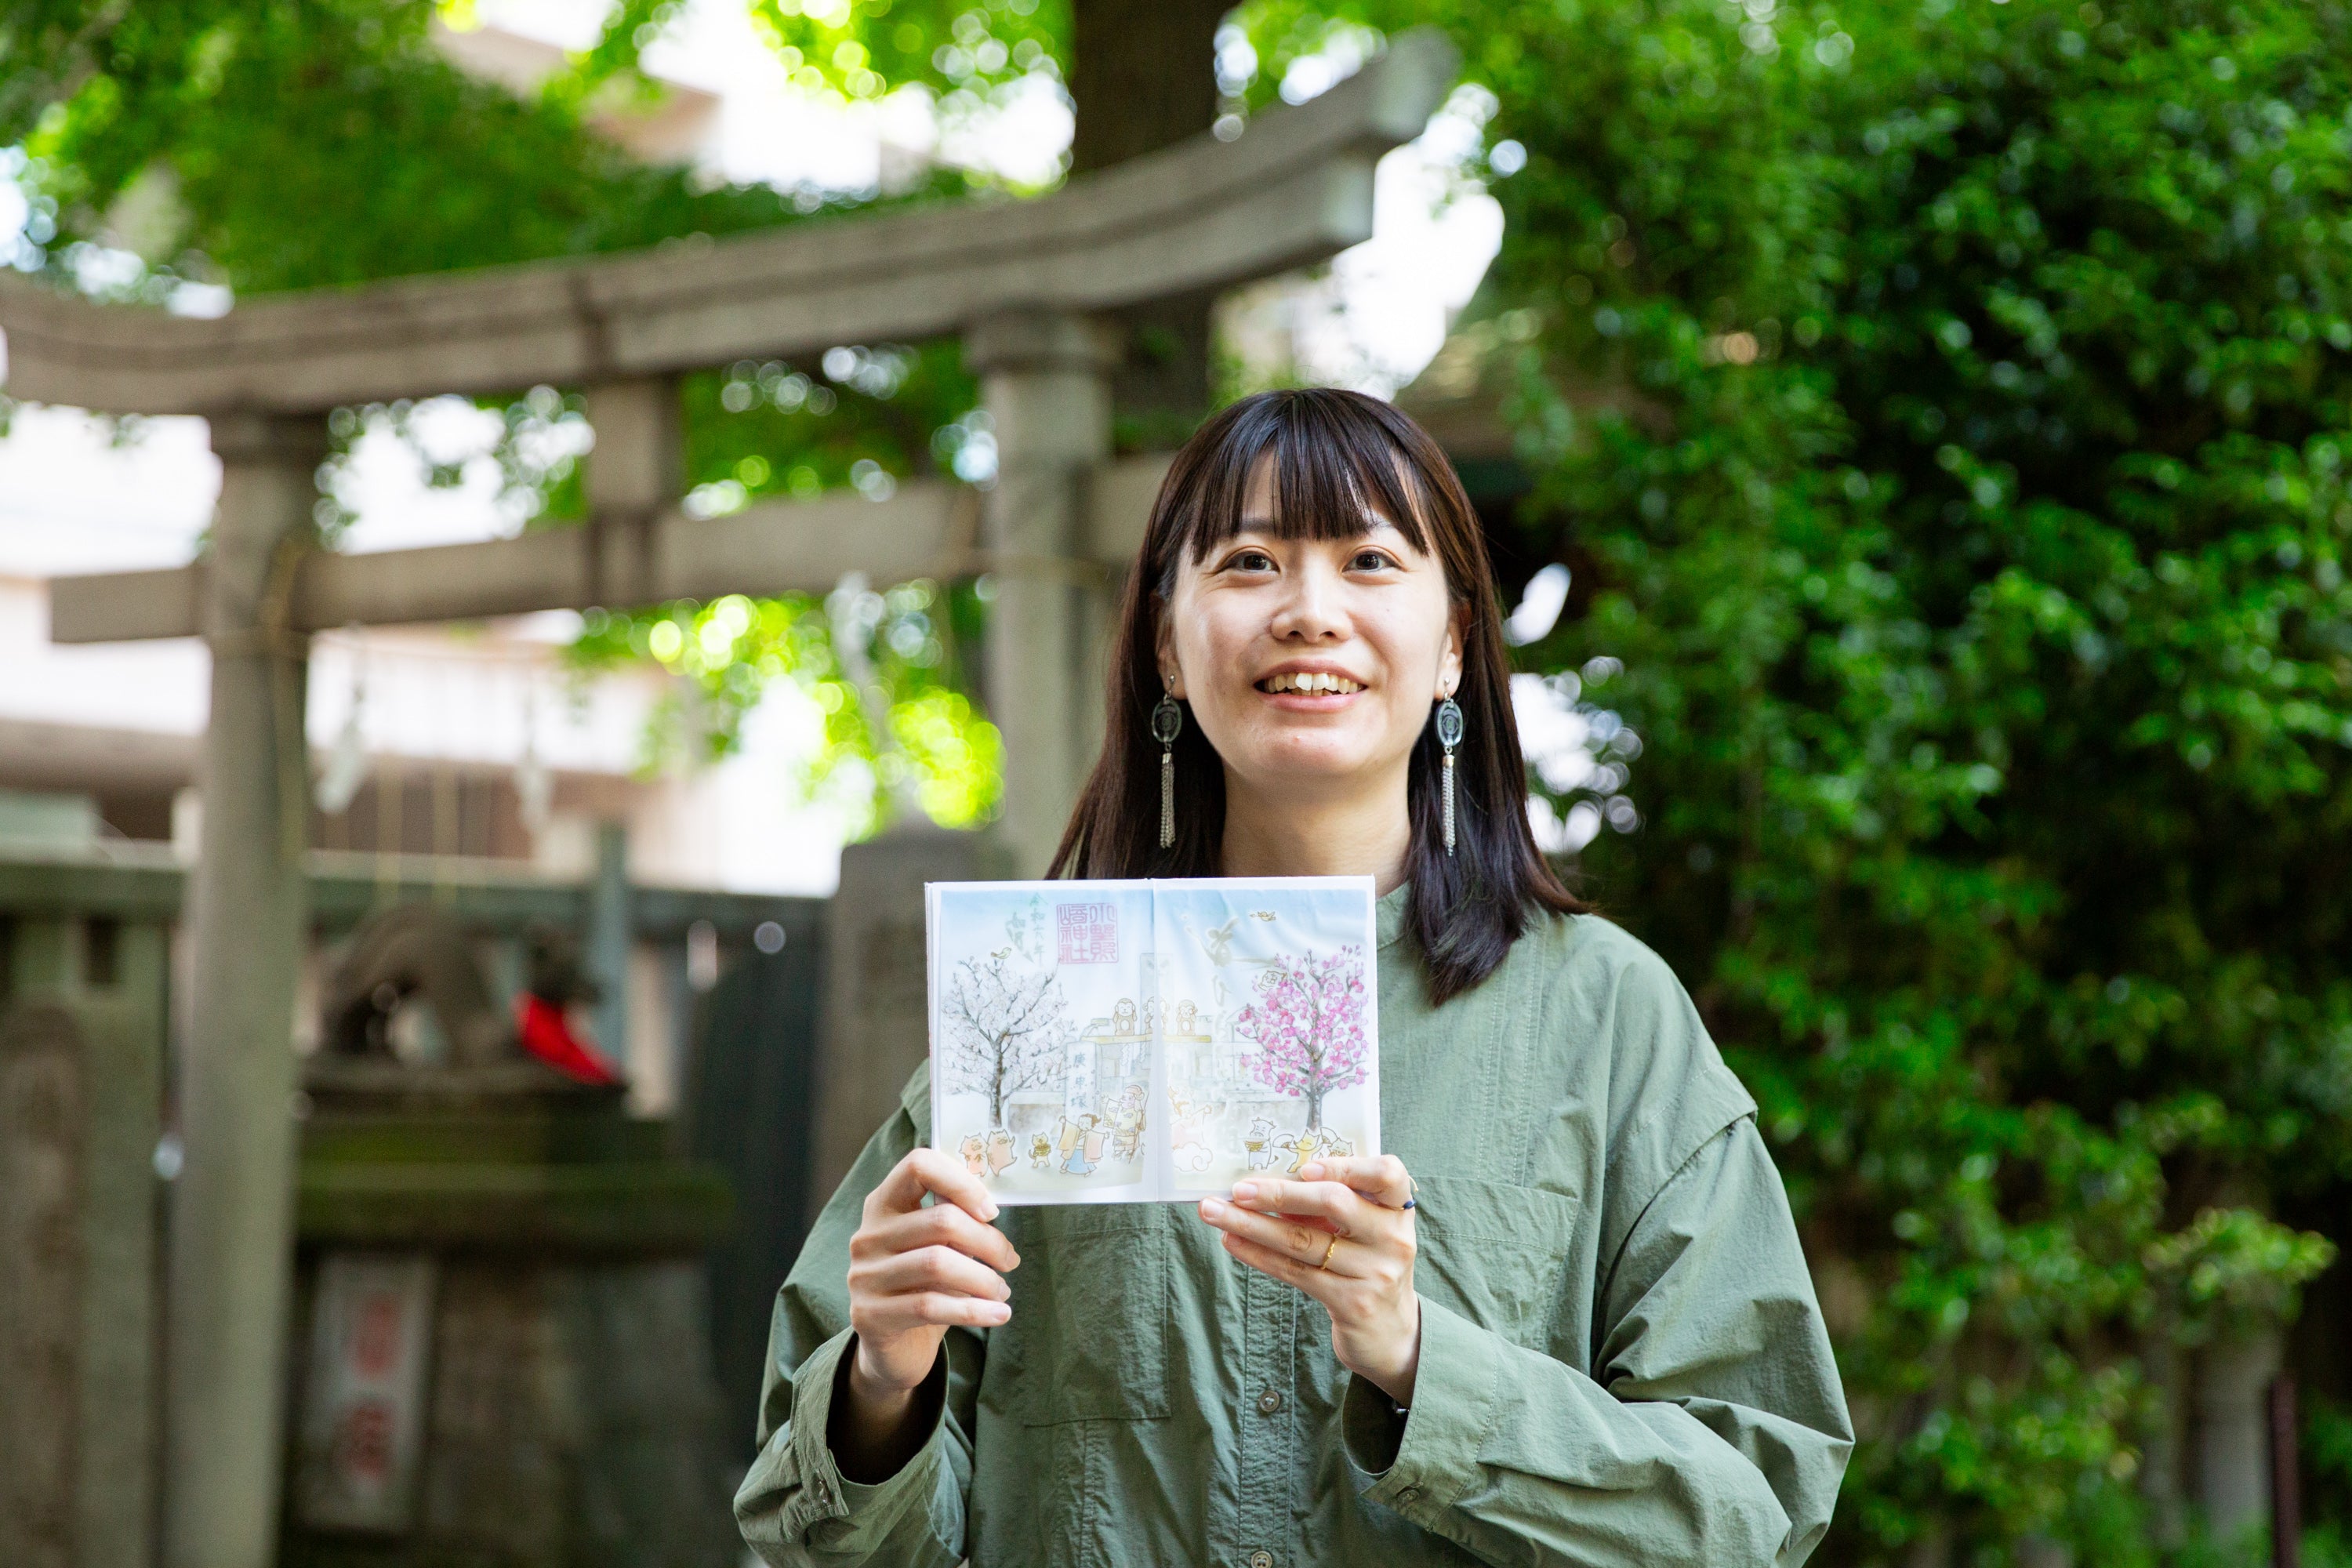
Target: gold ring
point(1329, 1251)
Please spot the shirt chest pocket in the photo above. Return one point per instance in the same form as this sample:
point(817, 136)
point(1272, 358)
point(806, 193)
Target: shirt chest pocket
point(1496, 1253)
point(1088, 1336)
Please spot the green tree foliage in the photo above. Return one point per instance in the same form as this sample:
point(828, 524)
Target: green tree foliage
point(968, 53)
point(880, 668)
point(1947, 406)
point(323, 141)
point(318, 143)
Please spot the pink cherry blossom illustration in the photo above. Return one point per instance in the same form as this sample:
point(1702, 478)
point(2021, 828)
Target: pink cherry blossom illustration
point(1308, 1023)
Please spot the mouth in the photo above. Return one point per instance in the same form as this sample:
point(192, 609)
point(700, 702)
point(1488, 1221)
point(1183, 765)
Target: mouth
point(1312, 683)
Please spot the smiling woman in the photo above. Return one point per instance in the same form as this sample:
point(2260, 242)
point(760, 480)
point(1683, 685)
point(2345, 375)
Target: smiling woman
point(1312, 585)
point(1563, 1318)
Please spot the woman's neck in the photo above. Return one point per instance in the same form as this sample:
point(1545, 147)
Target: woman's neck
point(1360, 834)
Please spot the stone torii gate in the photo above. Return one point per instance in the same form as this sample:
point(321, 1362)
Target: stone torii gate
point(1024, 283)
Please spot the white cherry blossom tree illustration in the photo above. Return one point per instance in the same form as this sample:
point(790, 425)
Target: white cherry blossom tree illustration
point(1004, 1023)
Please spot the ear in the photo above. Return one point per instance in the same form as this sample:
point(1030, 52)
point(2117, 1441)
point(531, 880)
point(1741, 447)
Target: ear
point(1449, 662)
point(1163, 650)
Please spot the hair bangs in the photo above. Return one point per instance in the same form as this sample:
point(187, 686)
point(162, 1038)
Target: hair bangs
point(1337, 473)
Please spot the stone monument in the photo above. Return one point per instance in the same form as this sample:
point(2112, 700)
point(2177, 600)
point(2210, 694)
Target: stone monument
point(501, 1353)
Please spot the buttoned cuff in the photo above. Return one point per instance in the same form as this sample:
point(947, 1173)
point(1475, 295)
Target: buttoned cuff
point(1426, 1472)
point(830, 1511)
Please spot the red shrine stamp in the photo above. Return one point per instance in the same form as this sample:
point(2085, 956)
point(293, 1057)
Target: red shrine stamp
point(1088, 932)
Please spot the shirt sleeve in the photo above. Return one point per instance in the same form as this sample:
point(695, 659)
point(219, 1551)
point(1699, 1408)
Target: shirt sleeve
point(1714, 1430)
point(796, 1507)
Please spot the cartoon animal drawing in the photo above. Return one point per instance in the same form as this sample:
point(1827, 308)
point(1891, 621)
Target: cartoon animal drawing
point(975, 1155)
point(1041, 1152)
point(1218, 942)
point(1336, 1146)
point(1000, 1151)
point(1305, 1147)
point(1256, 1144)
point(1262, 914)
point(1193, 1157)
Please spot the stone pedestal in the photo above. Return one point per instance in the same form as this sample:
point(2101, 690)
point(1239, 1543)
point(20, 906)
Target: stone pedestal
point(874, 1030)
point(569, 1417)
point(82, 1080)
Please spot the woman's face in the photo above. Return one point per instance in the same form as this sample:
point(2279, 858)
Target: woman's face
point(1310, 665)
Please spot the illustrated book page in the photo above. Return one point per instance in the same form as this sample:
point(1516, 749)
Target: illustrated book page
point(1139, 1041)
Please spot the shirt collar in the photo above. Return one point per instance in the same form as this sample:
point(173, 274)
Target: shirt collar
point(1389, 912)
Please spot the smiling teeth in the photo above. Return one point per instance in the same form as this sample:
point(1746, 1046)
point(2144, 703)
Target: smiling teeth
point(1311, 682)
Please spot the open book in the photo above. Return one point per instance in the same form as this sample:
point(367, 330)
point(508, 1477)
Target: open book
point(1131, 1041)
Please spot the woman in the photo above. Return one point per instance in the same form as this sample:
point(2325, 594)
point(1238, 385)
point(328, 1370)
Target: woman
point(1563, 1318)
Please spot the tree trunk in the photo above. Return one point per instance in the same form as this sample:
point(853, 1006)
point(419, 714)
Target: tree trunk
point(1146, 67)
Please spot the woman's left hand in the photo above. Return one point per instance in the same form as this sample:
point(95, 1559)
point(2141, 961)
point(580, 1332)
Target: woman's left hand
point(1347, 1216)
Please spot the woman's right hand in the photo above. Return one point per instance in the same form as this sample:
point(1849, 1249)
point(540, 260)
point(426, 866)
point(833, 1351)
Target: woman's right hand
point(915, 1272)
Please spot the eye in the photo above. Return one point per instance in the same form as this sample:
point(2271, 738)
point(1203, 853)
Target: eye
point(1371, 561)
point(1249, 561)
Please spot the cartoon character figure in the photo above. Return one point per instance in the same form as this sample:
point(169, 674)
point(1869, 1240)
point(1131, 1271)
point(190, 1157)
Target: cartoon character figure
point(975, 1155)
point(1256, 1144)
point(1041, 1152)
point(1127, 1122)
point(1305, 1148)
point(1000, 1151)
point(1082, 1145)
point(1336, 1146)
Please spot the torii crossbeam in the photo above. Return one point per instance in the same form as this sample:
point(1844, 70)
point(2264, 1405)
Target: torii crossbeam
point(1023, 282)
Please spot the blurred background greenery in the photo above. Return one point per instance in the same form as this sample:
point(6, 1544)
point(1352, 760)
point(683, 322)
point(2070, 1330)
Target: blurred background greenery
point(1943, 408)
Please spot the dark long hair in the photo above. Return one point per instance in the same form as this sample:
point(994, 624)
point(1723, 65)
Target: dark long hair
point(1336, 455)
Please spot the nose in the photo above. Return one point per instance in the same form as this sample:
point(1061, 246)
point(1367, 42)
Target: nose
point(1310, 610)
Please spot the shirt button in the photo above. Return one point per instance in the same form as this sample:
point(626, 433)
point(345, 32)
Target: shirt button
point(1408, 1494)
point(1268, 1403)
point(1261, 1558)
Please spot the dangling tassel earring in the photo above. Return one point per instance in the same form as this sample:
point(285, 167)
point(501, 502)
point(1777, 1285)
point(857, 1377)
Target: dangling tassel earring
point(1167, 724)
point(1449, 735)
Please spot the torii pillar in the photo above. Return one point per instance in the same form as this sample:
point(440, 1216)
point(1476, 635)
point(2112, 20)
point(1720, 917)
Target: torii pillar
point(232, 1209)
point(1045, 379)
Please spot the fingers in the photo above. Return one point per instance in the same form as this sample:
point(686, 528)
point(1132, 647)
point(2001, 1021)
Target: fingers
point(1316, 1282)
point(1301, 1240)
point(886, 1315)
point(929, 1171)
point(1336, 1206)
point(1383, 1178)
point(942, 1225)
point(926, 1270)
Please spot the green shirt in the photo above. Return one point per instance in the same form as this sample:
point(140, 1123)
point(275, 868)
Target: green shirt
point(1622, 1359)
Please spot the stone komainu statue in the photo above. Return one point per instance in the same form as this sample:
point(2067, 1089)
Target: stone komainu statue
point(418, 952)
